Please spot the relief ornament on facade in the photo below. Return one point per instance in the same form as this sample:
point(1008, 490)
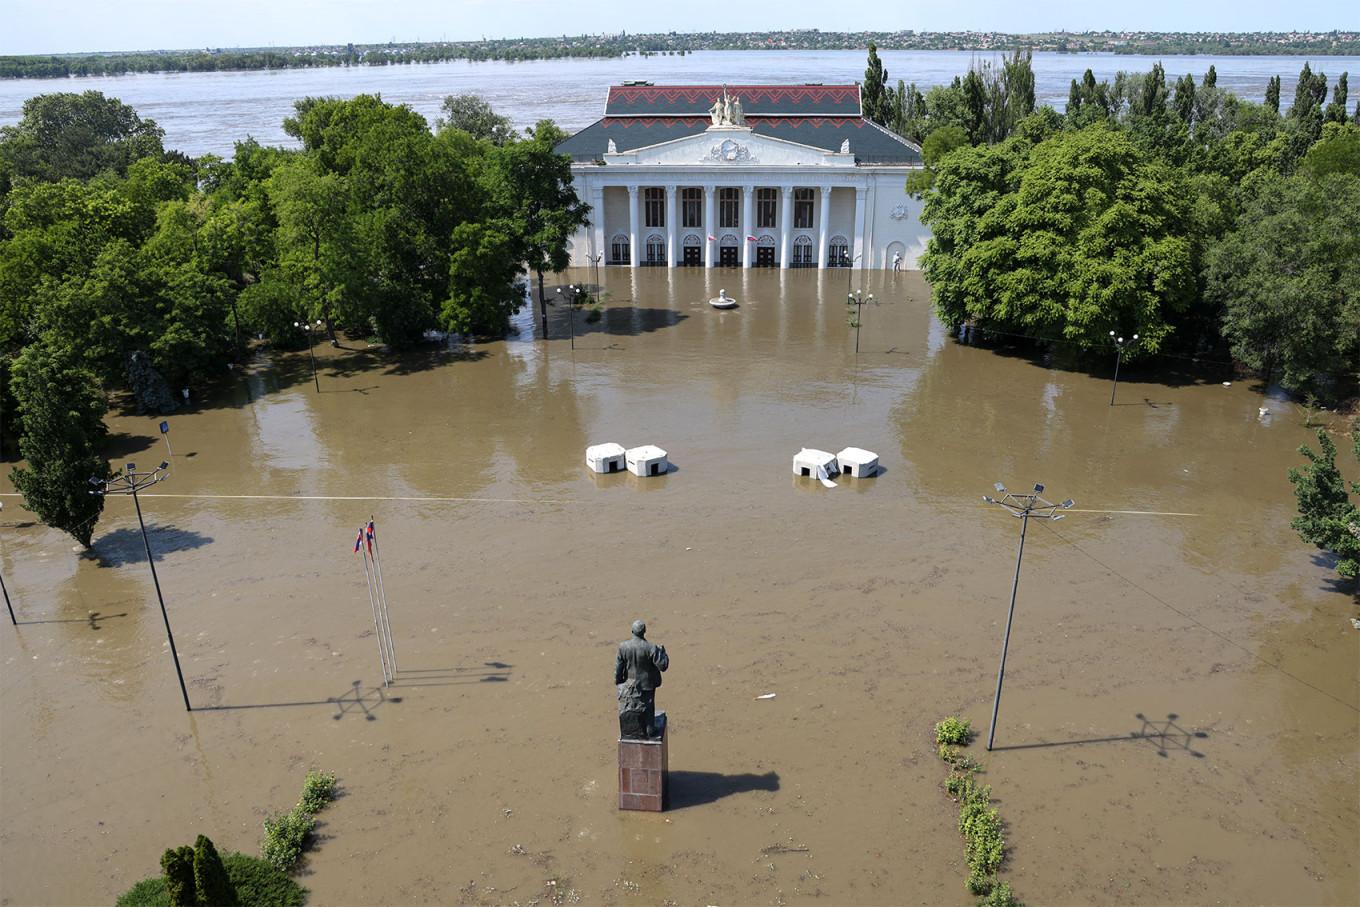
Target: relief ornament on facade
point(729, 151)
point(899, 213)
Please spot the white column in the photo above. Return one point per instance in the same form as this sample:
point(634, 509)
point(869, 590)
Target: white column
point(710, 224)
point(748, 223)
point(597, 219)
point(670, 226)
point(861, 210)
point(824, 213)
point(785, 223)
point(633, 226)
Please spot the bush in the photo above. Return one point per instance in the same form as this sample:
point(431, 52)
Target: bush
point(257, 884)
point(177, 865)
point(317, 791)
point(953, 732)
point(1000, 896)
point(285, 836)
point(210, 876)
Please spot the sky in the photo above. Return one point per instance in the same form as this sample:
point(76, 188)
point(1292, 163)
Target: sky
point(72, 26)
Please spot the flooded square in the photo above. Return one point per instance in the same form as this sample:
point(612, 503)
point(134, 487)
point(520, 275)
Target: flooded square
point(1179, 722)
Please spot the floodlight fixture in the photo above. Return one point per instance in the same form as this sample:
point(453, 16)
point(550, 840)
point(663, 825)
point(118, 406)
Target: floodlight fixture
point(130, 482)
point(1022, 506)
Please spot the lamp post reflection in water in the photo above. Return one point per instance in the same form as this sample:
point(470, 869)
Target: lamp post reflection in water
point(571, 309)
point(1119, 345)
point(1022, 506)
point(130, 481)
point(8, 606)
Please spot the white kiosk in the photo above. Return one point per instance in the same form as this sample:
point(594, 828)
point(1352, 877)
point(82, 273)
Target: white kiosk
point(605, 457)
point(647, 460)
point(817, 464)
point(861, 464)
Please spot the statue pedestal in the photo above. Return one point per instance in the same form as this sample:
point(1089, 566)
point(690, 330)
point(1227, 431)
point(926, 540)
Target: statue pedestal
point(643, 771)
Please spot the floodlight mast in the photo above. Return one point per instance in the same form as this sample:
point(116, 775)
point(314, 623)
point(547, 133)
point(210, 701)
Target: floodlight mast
point(130, 481)
point(1022, 506)
point(1119, 344)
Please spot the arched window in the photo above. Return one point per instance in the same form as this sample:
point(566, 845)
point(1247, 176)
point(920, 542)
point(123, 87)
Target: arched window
point(619, 253)
point(838, 253)
point(656, 249)
point(802, 251)
point(729, 239)
point(765, 240)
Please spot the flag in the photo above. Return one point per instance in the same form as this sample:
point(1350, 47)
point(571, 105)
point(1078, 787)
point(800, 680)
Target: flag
point(712, 238)
point(358, 541)
point(370, 536)
point(750, 239)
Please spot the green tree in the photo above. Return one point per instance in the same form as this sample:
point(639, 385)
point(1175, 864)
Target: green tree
point(1338, 151)
point(473, 115)
point(482, 271)
point(76, 136)
point(1273, 93)
point(210, 876)
point(1072, 238)
point(1287, 280)
point(1336, 111)
point(1327, 518)
point(63, 411)
point(177, 865)
point(874, 92)
point(933, 150)
point(530, 188)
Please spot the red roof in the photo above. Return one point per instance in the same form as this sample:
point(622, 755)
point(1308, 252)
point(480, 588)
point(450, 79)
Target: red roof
point(695, 100)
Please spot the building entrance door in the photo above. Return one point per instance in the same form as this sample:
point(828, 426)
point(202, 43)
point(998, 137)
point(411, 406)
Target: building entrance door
point(764, 257)
point(694, 255)
point(727, 257)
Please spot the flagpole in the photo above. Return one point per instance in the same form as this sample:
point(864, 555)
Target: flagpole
point(382, 594)
point(377, 629)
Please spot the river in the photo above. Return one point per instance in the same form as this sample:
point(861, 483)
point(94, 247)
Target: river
point(208, 112)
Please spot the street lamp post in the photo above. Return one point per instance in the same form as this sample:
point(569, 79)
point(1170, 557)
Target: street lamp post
point(1022, 506)
point(1119, 345)
point(859, 301)
point(130, 481)
point(307, 326)
point(8, 606)
point(571, 310)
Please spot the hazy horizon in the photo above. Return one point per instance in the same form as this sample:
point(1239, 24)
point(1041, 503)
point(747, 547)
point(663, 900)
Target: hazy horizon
point(87, 26)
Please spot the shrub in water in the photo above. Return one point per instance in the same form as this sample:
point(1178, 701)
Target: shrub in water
point(1000, 896)
point(317, 791)
point(257, 884)
point(210, 876)
point(285, 836)
point(953, 732)
point(178, 866)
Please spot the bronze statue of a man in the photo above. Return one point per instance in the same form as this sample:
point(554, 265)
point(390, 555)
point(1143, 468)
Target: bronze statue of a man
point(637, 671)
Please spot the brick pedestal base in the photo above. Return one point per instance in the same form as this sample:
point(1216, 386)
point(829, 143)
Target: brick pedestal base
point(643, 767)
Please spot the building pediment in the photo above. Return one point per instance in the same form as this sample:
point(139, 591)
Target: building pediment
point(731, 146)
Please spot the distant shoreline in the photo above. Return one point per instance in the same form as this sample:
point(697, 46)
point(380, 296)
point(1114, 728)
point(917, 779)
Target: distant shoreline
point(112, 63)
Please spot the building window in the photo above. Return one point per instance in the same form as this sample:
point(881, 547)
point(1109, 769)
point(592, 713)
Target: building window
point(728, 200)
point(765, 205)
point(802, 208)
point(838, 253)
point(654, 206)
point(691, 207)
point(656, 249)
point(802, 252)
point(619, 253)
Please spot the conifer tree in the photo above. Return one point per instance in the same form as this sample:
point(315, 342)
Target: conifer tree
point(1327, 518)
point(210, 876)
point(63, 410)
point(874, 92)
point(178, 866)
point(1273, 93)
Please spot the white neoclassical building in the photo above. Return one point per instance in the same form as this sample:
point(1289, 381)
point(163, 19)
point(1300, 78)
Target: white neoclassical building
point(781, 176)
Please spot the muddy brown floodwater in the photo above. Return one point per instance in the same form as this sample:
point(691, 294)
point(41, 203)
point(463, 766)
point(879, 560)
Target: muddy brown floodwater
point(486, 773)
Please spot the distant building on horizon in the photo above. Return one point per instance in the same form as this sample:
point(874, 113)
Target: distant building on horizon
point(785, 176)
